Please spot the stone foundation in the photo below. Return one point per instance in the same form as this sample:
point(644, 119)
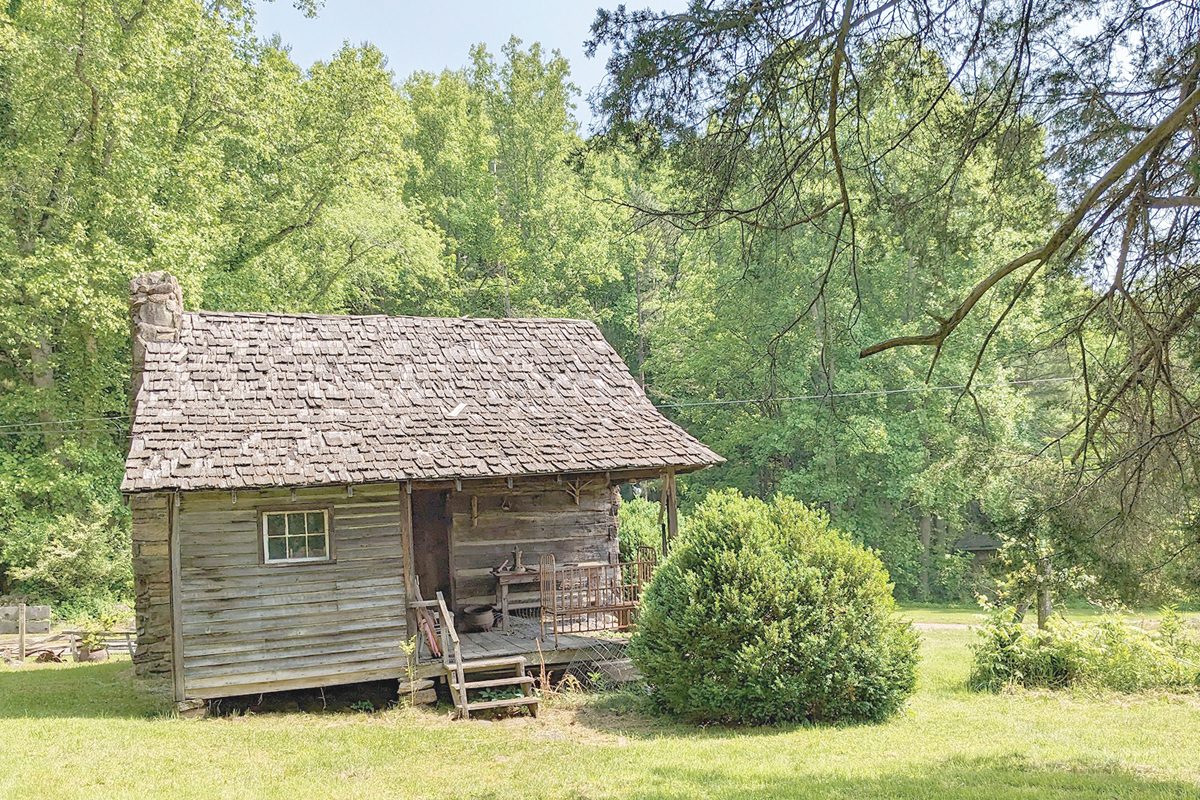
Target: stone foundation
point(192, 709)
point(425, 692)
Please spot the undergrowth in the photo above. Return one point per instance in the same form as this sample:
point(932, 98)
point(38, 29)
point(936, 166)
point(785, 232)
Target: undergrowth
point(1107, 653)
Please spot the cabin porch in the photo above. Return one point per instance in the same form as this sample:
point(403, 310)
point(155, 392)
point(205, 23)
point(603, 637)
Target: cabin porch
point(524, 638)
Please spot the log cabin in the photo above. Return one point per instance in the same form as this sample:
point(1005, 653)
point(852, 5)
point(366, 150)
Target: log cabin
point(303, 487)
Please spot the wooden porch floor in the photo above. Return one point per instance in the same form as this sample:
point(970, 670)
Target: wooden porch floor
point(521, 639)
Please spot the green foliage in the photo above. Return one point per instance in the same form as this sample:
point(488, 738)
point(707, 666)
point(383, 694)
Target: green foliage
point(1108, 653)
point(762, 613)
point(69, 562)
point(744, 322)
point(638, 525)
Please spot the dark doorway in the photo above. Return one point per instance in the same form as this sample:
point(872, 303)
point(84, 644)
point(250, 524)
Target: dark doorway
point(431, 543)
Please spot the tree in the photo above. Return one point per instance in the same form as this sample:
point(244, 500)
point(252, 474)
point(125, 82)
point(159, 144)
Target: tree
point(496, 144)
point(902, 472)
point(770, 102)
point(140, 137)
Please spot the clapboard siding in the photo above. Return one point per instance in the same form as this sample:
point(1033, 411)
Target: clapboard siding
point(534, 522)
point(248, 626)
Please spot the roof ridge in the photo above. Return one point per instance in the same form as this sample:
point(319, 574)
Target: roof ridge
point(307, 315)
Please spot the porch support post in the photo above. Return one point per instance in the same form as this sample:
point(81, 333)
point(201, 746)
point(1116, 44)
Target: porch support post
point(177, 676)
point(406, 542)
point(672, 506)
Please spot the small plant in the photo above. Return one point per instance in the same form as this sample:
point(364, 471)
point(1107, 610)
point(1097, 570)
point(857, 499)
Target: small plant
point(94, 633)
point(498, 693)
point(365, 706)
point(409, 649)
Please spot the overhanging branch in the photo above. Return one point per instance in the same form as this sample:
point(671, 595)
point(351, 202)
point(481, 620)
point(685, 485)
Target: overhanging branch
point(1039, 257)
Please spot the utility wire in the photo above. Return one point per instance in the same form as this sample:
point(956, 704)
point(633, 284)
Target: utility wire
point(874, 393)
point(65, 421)
point(826, 396)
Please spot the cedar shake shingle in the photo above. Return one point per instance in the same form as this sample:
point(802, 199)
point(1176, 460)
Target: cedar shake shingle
point(255, 400)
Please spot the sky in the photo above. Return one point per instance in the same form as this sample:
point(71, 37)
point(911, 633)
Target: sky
point(437, 35)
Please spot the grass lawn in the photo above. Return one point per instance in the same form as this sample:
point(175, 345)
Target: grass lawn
point(971, 614)
point(86, 731)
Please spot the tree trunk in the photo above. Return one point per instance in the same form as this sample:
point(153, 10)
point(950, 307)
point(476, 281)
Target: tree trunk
point(43, 379)
point(507, 297)
point(926, 557)
point(1043, 592)
point(641, 323)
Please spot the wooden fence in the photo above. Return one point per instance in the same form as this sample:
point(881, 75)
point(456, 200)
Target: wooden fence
point(24, 620)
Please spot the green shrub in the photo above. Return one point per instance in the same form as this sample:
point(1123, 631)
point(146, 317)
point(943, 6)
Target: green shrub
point(762, 614)
point(1109, 653)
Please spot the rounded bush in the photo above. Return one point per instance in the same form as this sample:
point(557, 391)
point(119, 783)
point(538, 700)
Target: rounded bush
point(762, 613)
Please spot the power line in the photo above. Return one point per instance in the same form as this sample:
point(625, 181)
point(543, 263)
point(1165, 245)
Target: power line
point(66, 421)
point(874, 393)
point(70, 432)
point(4, 429)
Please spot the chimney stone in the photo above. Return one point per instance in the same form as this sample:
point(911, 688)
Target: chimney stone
point(155, 315)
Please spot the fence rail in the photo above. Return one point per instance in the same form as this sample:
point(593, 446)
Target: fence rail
point(36, 619)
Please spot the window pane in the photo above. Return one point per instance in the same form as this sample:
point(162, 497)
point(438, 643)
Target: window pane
point(295, 524)
point(276, 548)
point(316, 522)
point(275, 525)
point(296, 548)
point(316, 547)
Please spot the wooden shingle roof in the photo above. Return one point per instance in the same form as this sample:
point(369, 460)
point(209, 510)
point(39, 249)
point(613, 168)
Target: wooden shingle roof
point(257, 400)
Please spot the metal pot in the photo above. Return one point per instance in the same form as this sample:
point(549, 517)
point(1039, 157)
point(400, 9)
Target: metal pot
point(478, 618)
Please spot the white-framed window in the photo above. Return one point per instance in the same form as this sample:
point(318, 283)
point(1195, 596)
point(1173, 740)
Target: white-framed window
point(301, 535)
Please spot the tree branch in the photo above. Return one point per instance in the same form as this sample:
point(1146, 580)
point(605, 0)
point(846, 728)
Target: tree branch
point(1161, 132)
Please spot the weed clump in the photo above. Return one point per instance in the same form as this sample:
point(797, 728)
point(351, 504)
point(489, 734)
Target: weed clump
point(763, 613)
point(1107, 654)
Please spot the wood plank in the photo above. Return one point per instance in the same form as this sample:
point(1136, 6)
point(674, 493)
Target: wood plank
point(215, 588)
point(249, 498)
point(257, 624)
point(231, 632)
point(385, 594)
point(505, 703)
point(270, 574)
point(288, 662)
point(286, 683)
point(318, 672)
point(348, 552)
point(228, 653)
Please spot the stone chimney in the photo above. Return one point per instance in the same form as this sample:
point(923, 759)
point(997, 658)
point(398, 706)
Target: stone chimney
point(155, 315)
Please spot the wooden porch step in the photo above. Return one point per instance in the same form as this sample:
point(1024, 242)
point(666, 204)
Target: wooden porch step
point(530, 701)
point(518, 680)
point(477, 664)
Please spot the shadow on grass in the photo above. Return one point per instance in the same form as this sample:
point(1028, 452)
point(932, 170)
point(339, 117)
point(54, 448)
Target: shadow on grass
point(1009, 777)
point(625, 713)
point(107, 690)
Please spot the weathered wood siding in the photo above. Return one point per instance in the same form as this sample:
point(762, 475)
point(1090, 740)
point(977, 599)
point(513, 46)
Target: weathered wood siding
point(251, 627)
point(540, 518)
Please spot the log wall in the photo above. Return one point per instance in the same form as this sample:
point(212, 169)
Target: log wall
point(250, 627)
point(540, 517)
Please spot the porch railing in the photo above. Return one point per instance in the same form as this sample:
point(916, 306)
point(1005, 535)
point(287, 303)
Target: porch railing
point(593, 597)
